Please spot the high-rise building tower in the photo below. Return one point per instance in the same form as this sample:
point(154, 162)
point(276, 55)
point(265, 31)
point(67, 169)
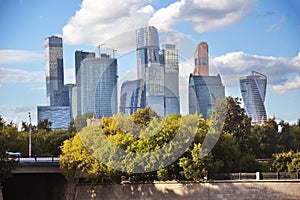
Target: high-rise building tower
point(76, 97)
point(99, 86)
point(169, 59)
point(253, 89)
point(132, 96)
point(149, 68)
point(80, 56)
point(201, 60)
point(147, 49)
point(58, 109)
point(204, 90)
point(54, 70)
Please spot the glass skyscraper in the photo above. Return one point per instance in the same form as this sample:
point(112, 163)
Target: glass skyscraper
point(76, 100)
point(169, 59)
point(201, 60)
point(204, 90)
point(59, 95)
point(253, 89)
point(149, 68)
point(99, 86)
point(147, 41)
point(54, 71)
point(132, 96)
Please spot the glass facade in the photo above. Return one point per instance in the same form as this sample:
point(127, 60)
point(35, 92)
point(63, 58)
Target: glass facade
point(132, 96)
point(99, 86)
point(58, 95)
point(149, 68)
point(147, 49)
point(253, 89)
point(201, 60)
point(79, 57)
point(55, 72)
point(58, 115)
point(169, 59)
point(204, 91)
point(159, 70)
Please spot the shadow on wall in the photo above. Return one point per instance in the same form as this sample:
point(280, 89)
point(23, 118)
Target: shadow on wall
point(192, 190)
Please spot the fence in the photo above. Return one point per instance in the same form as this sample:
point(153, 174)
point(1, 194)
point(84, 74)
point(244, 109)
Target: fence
point(257, 176)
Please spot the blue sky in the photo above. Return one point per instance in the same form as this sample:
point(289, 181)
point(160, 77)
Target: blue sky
point(243, 35)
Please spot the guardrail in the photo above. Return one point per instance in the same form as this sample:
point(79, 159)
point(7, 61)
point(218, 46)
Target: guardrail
point(39, 159)
point(257, 176)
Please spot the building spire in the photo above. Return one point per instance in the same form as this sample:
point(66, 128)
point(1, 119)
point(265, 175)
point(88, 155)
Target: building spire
point(201, 60)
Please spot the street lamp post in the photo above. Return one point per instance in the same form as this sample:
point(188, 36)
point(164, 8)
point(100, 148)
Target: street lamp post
point(29, 151)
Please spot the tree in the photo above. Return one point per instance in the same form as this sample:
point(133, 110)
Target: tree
point(194, 167)
point(267, 138)
point(294, 165)
point(247, 163)
point(295, 132)
point(2, 122)
point(44, 124)
point(280, 161)
point(227, 152)
point(142, 117)
point(80, 121)
point(6, 164)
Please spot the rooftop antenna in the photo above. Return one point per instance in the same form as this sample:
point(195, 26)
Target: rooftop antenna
point(99, 48)
point(113, 50)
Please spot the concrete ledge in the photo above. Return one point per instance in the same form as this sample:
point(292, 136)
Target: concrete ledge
point(278, 189)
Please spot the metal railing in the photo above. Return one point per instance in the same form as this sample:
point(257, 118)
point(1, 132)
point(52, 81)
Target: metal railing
point(39, 159)
point(257, 176)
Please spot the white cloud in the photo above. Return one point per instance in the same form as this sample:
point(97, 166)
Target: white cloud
point(287, 86)
point(19, 56)
point(204, 15)
point(236, 64)
point(278, 70)
point(277, 26)
point(97, 21)
point(8, 75)
point(18, 113)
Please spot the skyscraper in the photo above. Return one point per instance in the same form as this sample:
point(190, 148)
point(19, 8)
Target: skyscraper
point(169, 59)
point(54, 70)
point(147, 49)
point(58, 110)
point(253, 89)
point(99, 86)
point(201, 60)
point(204, 90)
point(76, 100)
point(80, 56)
point(132, 96)
point(149, 68)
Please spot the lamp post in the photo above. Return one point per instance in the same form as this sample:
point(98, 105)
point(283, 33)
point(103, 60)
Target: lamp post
point(29, 151)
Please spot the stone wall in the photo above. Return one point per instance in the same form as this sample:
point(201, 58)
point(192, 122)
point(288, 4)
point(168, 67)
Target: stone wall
point(191, 190)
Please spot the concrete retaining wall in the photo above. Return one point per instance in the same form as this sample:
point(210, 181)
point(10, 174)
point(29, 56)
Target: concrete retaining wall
point(191, 191)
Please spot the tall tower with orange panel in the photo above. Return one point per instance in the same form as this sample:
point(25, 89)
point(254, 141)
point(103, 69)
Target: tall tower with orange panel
point(201, 60)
